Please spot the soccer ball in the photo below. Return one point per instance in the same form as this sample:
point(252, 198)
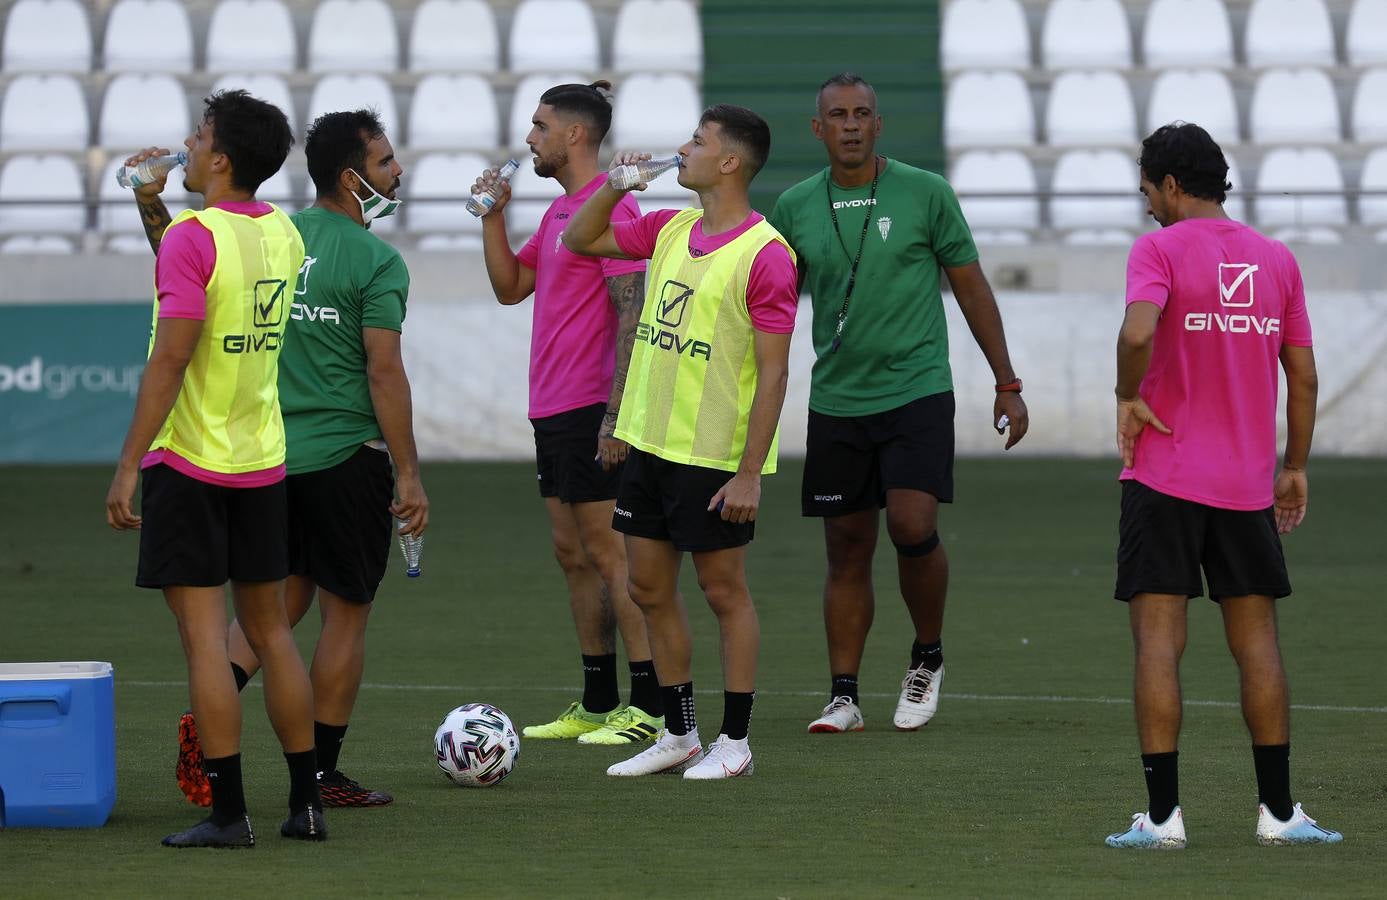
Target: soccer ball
point(476, 746)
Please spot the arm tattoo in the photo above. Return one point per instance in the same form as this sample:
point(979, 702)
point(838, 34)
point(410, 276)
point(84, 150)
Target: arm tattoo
point(628, 297)
point(155, 216)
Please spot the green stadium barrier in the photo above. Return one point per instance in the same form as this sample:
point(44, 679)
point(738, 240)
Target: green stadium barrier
point(68, 378)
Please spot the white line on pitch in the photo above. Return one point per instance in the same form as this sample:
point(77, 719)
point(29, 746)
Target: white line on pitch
point(1004, 698)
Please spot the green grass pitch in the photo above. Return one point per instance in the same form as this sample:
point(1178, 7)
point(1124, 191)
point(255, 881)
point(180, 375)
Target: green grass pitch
point(1009, 792)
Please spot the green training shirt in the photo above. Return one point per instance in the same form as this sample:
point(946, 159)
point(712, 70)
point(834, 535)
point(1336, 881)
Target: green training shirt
point(350, 280)
point(895, 344)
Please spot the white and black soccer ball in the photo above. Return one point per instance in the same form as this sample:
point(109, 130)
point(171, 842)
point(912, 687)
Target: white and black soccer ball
point(476, 746)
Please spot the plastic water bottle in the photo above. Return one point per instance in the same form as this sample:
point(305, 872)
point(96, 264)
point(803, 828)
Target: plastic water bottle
point(626, 177)
point(480, 204)
point(151, 170)
point(412, 547)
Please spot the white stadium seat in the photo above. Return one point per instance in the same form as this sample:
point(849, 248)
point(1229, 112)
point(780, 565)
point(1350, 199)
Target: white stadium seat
point(30, 244)
point(1070, 119)
point(658, 36)
point(454, 36)
point(251, 36)
point(270, 88)
point(525, 101)
point(984, 34)
point(1235, 205)
point(1289, 33)
point(44, 112)
point(1202, 97)
point(143, 110)
point(1367, 33)
point(1090, 171)
point(453, 112)
point(1205, 37)
point(1373, 210)
point(443, 175)
point(117, 213)
point(1099, 237)
point(29, 177)
point(547, 31)
point(655, 113)
point(279, 190)
point(1294, 106)
point(148, 36)
point(1370, 107)
point(996, 172)
point(1313, 235)
point(1086, 34)
point(988, 109)
point(1300, 169)
point(337, 92)
point(48, 36)
point(353, 36)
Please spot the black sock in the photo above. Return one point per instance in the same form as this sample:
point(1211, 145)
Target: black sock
point(242, 679)
point(931, 656)
point(599, 683)
point(736, 714)
point(228, 796)
point(645, 688)
point(1162, 784)
point(844, 686)
point(303, 781)
point(328, 739)
point(1273, 763)
point(679, 708)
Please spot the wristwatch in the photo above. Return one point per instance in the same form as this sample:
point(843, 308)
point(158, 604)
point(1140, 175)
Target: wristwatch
point(1013, 387)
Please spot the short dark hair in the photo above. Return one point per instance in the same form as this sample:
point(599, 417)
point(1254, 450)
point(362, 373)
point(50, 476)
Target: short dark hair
point(253, 134)
point(590, 102)
point(845, 79)
point(1186, 152)
point(336, 142)
point(744, 128)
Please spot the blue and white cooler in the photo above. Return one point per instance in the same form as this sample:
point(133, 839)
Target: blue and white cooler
point(57, 744)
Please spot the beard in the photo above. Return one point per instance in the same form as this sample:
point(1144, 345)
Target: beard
point(547, 166)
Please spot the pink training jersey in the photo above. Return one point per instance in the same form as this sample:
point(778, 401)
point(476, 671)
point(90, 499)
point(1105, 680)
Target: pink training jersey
point(182, 269)
point(573, 339)
point(1229, 298)
point(772, 291)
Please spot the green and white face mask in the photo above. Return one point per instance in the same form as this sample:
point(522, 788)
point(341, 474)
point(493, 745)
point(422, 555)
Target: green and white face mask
point(376, 205)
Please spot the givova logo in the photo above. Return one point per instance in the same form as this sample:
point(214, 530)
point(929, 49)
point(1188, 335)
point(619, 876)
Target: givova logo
point(58, 381)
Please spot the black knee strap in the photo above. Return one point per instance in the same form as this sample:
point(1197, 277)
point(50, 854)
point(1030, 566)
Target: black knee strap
point(924, 548)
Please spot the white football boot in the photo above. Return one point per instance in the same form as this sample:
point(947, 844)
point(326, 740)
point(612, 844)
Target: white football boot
point(840, 715)
point(726, 758)
point(671, 753)
point(919, 698)
point(1298, 829)
point(1147, 835)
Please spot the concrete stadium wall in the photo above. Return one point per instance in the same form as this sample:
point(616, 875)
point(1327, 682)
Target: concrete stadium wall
point(467, 355)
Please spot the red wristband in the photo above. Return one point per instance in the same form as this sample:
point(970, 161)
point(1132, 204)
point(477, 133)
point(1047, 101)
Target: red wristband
point(1010, 387)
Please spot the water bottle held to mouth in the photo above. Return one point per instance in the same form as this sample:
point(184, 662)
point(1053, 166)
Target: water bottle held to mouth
point(150, 170)
point(625, 178)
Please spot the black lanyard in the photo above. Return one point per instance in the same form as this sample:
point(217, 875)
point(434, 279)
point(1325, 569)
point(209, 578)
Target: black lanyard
point(861, 243)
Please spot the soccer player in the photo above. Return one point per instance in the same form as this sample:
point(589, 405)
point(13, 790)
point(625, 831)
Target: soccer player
point(585, 314)
point(1212, 305)
point(208, 439)
point(700, 412)
point(871, 234)
point(346, 402)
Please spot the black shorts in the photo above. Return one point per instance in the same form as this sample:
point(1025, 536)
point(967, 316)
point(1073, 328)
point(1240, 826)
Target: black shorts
point(851, 462)
point(566, 457)
point(197, 534)
point(668, 501)
point(1164, 541)
point(340, 526)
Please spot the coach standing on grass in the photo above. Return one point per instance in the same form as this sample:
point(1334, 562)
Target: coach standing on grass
point(871, 234)
point(208, 435)
point(1211, 306)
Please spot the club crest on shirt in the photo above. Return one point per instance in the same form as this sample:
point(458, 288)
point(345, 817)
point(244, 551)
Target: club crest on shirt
point(884, 226)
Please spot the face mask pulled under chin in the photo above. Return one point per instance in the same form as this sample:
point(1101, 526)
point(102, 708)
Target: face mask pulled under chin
point(376, 205)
